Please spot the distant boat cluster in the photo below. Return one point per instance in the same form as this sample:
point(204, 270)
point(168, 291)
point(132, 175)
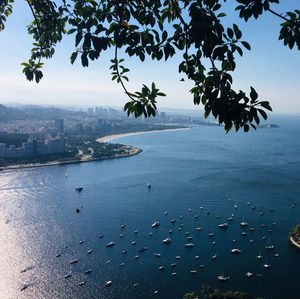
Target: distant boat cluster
point(191, 244)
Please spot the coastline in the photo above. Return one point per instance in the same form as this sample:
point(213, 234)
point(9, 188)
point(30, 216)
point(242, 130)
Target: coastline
point(294, 242)
point(132, 151)
point(112, 137)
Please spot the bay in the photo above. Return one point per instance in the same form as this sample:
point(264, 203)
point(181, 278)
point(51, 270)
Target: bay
point(200, 167)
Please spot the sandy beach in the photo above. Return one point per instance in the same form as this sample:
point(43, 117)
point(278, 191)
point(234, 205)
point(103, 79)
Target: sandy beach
point(112, 137)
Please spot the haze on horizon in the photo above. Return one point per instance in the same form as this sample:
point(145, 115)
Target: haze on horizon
point(271, 68)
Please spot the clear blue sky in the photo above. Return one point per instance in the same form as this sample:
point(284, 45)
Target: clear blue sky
point(274, 70)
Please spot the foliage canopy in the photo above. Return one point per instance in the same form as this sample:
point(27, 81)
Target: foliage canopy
point(159, 29)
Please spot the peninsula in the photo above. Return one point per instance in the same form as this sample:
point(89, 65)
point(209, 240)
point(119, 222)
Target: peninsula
point(295, 236)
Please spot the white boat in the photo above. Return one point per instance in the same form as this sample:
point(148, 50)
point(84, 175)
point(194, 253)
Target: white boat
point(161, 268)
point(210, 234)
point(252, 229)
point(167, 240)
point(229, 218)
point(133, 242)
point(122, 225)
point(189, 237)
point(173, 220)
point(88, 271)
point(89, 251)
point(108, 283)
point(173, 273)
point(73, 262)
point(143, 249)
point(173, 265)
point(148, 185)
point(79, 188)
point(236, 251)
point(214, 257)
point(266, 265)
point(122, 264)
point(243, 223)
point(110, 244)
point(193, 271)
point(223, 225)
point(259, 256)
point(223, 278)
point(189, 245)
point(157, 254)
point(235, 206)
point(270, 247)
point(249, 274)
point(156, 224)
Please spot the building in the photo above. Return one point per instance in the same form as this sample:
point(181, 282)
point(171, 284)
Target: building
point(59, 125)
point(34, 147)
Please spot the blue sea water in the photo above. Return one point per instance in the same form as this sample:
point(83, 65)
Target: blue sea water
point(189, 169)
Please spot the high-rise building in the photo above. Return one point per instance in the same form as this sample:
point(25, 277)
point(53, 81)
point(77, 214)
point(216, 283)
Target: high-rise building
point(59, 125)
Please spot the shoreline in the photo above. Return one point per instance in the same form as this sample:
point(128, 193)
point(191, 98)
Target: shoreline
point(115, 136)
point(133, 151)
point(294, 242)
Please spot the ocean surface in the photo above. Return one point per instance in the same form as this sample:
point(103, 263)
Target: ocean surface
point(40, 232)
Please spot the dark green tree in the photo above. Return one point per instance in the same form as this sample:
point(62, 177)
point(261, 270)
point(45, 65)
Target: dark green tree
point(159, 29)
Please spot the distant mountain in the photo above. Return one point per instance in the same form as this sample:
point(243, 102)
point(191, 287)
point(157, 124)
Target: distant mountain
point(36, 113)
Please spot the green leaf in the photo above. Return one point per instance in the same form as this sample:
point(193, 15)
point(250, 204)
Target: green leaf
point(262, 113)
point(84, 60)
point(73, 57)
point(246, 45)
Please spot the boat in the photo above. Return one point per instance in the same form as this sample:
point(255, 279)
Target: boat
point(218, 216)
point(81, 242)
point(136, 257)
point(148, 185)
point(136, 231)
point(236, 251)
point(252, 229)
point(110, 244)
point(213, 243)
point(121, 235)
point(170, 231)
point(210, 234)
point(223, 278)
point(208, 212)
point(235, 206)
point(198, 228)
point(202, 266)
point(107, 262)
point(156, 224)
point(177, 257)
point(143, 249)
point(229, 218)
point(88, 271)
point(266, 265)
point(151, 233)
point(271, 209)
point(135, 285)
point(173, 273)
point(122, 264)
point(122, 225)
point(179, 228)
point(201, 208)
point(244, 234)
point(251, 241)
point(276, 254)
point(270, 247)
point(243, 223)
point(89, 251)
point(261, 213)
point(133, 242)
point(166, 212)
point(187, 233)
point(193, 271)
point(58, 255)
point(214, 257)
point(197, 257)
point(108, 283)
point(259, 256)
point(68, 275)
point(160, 268)
point(167, 240)
point(124, 251)
point(249, 274)
point(253, 207)
point(189, 245)
point(173, 220)
point(196, 216)
point(81, 283)
point(173, 265)
point(73, 262)
point(79, 188)
point(223, 225)
point(189, 237)
point(100, 236)
point(157, 254)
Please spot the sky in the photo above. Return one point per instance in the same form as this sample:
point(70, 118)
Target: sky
point(271, 68)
